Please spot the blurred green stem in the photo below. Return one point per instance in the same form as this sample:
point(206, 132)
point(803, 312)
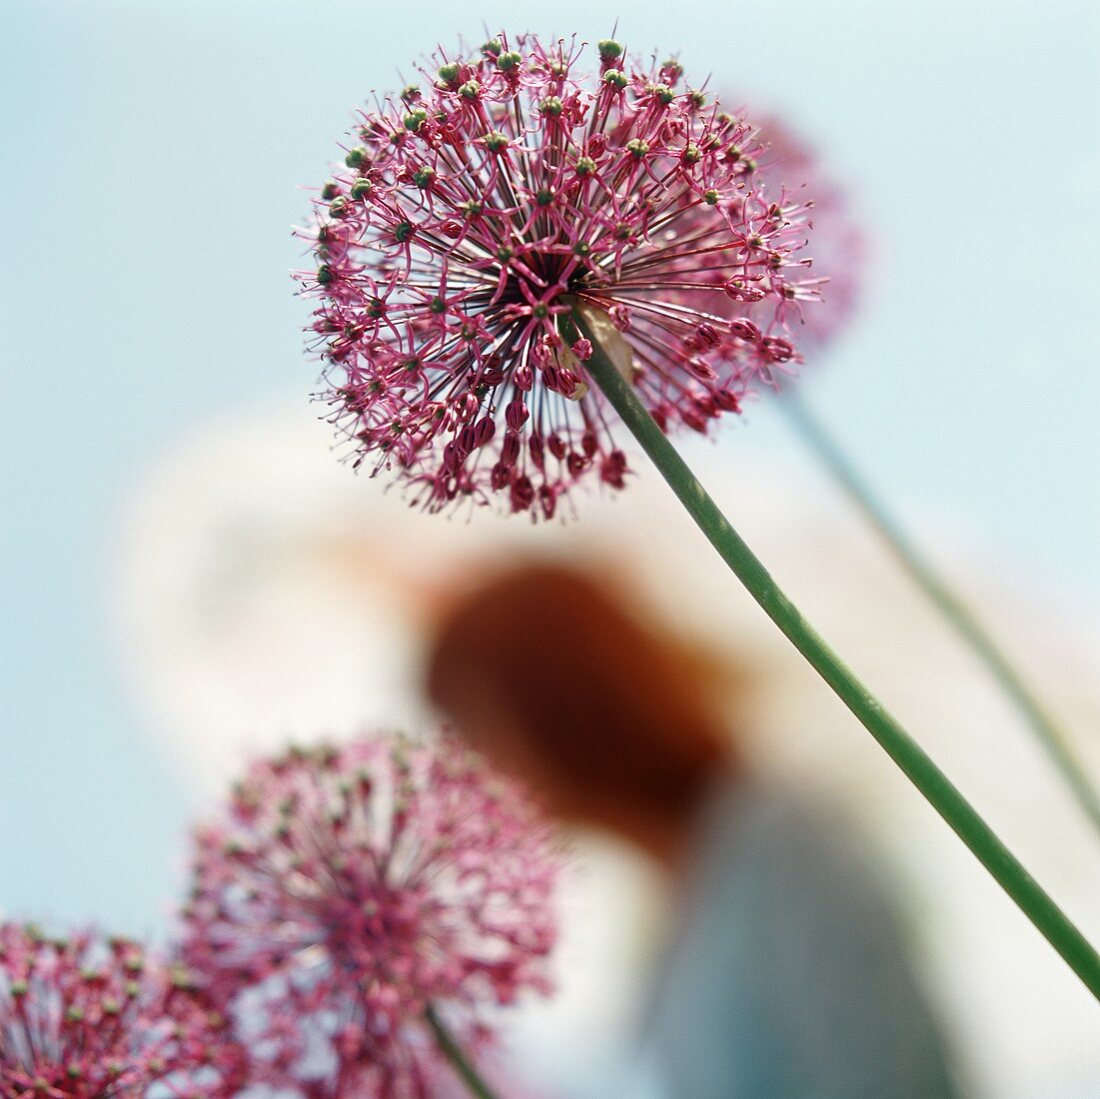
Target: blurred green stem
point(1047, 917)
point(453, 1052)
point(951, 606)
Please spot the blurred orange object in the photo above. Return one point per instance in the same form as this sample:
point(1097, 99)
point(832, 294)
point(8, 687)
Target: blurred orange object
point(609, 721)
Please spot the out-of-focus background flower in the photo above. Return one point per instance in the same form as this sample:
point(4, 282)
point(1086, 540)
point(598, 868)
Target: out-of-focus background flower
point(188, 572)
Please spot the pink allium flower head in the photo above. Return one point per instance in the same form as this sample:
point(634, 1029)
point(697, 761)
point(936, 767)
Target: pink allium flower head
point(470, 214)
point(346, 889)
point(86, 1017)
point(839, 245)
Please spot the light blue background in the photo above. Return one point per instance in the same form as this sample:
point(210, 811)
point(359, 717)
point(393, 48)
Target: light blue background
point(150, 159)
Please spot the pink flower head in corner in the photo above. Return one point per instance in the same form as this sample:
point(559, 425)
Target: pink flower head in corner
point(346, 889)
point(473, 210)
point(84, 1017)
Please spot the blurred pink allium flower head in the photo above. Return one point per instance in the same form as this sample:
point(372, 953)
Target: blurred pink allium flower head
point(87, 1017)
point(346, 889)
point(840, 248)
point(474, 209)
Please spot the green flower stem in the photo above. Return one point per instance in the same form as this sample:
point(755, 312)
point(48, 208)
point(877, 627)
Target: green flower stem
point(453, 1052)
point(898, 744)
point(951, 606)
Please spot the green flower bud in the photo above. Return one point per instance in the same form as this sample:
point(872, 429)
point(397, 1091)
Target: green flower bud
point(448, 74)
point(357, 157)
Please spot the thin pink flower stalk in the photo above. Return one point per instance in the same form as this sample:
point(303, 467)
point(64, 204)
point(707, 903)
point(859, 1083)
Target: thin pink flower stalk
point(347, 890)
point(481, 205)
point(86, 1018)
